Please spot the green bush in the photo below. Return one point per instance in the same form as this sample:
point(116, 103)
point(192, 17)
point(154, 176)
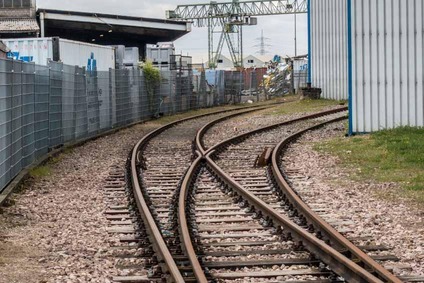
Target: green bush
point(152, 80)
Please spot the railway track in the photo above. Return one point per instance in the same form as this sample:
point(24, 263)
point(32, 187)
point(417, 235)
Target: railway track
point(226, 214)
point(156, 168)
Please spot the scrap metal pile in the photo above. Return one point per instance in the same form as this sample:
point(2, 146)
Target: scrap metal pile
point(278, 77)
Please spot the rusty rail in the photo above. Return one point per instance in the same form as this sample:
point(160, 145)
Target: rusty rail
point(332, 234)
point(182, 221)
point(267, 128)
point(154, 233)
point(335, 260)
point(205, 128)
point(339, 263)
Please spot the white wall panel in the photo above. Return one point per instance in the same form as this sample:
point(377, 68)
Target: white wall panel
point(329, 47)
point(31, 50)
point(79, 53)
point(387, 82)
point(387, 63)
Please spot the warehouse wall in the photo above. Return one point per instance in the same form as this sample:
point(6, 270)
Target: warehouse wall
point(328, 38)
point(372, 52)
point(387, 64)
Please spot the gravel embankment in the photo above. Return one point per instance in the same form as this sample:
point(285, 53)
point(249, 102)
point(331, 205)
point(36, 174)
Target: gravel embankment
point(56, 231)
point(397, 224)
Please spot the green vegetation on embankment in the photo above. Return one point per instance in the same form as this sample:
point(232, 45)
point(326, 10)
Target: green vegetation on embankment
point(387, 156)
point(305, 106)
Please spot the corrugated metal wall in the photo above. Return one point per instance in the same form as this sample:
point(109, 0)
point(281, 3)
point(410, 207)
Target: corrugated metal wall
point(329, 47)
point(387, 64)
point(387, 59)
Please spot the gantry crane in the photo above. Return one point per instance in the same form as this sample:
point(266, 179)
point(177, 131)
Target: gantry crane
point(228, 18)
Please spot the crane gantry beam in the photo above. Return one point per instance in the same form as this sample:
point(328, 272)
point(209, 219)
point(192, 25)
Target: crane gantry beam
point(244, 8)
point(231, 16)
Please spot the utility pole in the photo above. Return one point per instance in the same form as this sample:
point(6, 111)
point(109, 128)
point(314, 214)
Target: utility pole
point(295, 28)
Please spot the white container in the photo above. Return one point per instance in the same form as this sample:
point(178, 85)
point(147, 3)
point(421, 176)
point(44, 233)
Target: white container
point(36, 50)
point(160, 53)
point(41, 50)
point(79, 53)
point(132, 56)
point(374, 58)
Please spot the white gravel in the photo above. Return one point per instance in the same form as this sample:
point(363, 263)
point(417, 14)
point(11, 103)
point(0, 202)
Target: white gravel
point(56, 232)
point(397, 224)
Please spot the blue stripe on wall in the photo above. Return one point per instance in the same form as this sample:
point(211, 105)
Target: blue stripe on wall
point(309, 43)
point(349, 63)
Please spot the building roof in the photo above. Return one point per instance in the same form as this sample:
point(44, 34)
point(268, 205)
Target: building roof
point(18, 25)
point(111, 29)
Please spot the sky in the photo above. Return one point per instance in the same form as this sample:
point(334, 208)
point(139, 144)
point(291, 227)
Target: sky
point(279, 30)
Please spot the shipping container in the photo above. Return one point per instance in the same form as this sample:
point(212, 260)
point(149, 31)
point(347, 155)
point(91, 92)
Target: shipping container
point(41, 50)
point(370, 52)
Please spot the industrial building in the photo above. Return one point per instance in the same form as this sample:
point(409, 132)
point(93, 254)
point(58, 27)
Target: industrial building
point(253, 62)
point(21, 19)
point(370, 53)
point(107, 29)
point(18, 19)
point(250, 61)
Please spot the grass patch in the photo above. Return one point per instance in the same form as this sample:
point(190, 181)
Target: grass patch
point(45, 170)
point(387, 156)
point(40, 172)
point(304, 106)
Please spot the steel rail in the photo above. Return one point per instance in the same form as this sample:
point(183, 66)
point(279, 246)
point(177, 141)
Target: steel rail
point(202, 132)
point(339, 263)
point(329, 255)
point(158, 243)
point(155, 235)
point(205, 128)
point(182, 221)
point(187, 181)
point(312, 217)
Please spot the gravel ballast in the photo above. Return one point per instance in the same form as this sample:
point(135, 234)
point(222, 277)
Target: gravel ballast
point(56, 231)
point(397, 224)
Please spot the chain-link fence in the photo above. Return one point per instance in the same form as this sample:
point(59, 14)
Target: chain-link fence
point(219, 86)
point(44, 107)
